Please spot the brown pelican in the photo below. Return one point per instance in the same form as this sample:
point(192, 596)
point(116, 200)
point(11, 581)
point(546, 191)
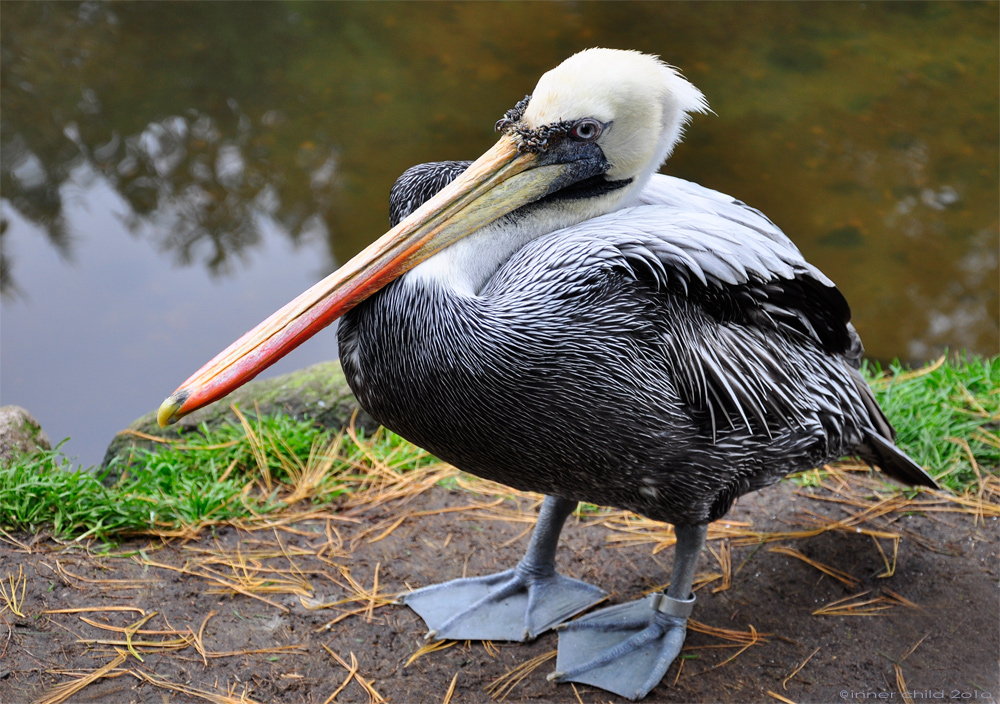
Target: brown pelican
point(558, 317)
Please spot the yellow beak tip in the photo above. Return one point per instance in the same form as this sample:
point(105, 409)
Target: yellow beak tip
point(167, 413)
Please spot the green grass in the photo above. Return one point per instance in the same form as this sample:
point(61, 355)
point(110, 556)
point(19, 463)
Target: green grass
point(228, 474)
point(205, 480)
point(937, 412)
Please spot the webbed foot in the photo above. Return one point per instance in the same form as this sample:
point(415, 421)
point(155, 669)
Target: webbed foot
point(511, 605)
point(625, 649)
point(516, 604)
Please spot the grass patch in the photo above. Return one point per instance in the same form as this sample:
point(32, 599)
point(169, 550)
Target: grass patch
point(947, 416)
point(229, 473)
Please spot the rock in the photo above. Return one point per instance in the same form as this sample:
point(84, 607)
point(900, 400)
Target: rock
point(319, 393)
point(20, 434)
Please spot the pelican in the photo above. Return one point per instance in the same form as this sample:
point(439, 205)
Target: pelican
point(558, 317)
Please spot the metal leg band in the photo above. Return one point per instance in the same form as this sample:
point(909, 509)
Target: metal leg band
point(671, 606)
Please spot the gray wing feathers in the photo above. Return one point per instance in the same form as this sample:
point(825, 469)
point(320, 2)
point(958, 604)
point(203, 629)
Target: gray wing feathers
point(685, 195)
point(730, 372)
point(735, 379)
point(690, 245)
point(418, 183)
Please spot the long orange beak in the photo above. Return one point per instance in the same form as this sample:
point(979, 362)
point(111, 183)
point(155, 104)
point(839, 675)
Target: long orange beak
point(499, 182)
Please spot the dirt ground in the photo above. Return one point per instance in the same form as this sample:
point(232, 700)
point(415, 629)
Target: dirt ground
point(930, 629)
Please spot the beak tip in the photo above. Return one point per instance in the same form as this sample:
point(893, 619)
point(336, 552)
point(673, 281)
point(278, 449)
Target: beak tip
point(169, 408)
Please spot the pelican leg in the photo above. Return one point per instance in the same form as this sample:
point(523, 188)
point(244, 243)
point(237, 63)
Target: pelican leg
point(627, 648)
point(516, 604)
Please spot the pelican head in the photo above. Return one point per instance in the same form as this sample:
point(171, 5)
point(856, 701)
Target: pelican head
point(638, 104)
point(583, 144)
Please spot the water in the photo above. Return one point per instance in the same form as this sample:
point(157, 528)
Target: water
point(172, 173)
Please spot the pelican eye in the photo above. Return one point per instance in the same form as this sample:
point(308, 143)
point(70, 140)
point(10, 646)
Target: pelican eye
point(586, 130)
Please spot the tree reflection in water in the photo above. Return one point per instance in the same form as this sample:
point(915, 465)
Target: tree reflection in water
point(202, 176)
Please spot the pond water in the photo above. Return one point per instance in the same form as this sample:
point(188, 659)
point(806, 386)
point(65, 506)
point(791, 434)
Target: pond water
point(171, 173)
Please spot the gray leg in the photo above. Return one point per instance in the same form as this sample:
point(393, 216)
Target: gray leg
point(627, 648)
point(690, 541)
point(516, 604)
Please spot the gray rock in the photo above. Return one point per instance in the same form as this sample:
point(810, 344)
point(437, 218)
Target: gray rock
point(20, 434)
point(319, 393)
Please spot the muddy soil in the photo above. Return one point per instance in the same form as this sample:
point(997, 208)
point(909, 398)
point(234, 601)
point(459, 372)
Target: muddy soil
point(945, 649)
